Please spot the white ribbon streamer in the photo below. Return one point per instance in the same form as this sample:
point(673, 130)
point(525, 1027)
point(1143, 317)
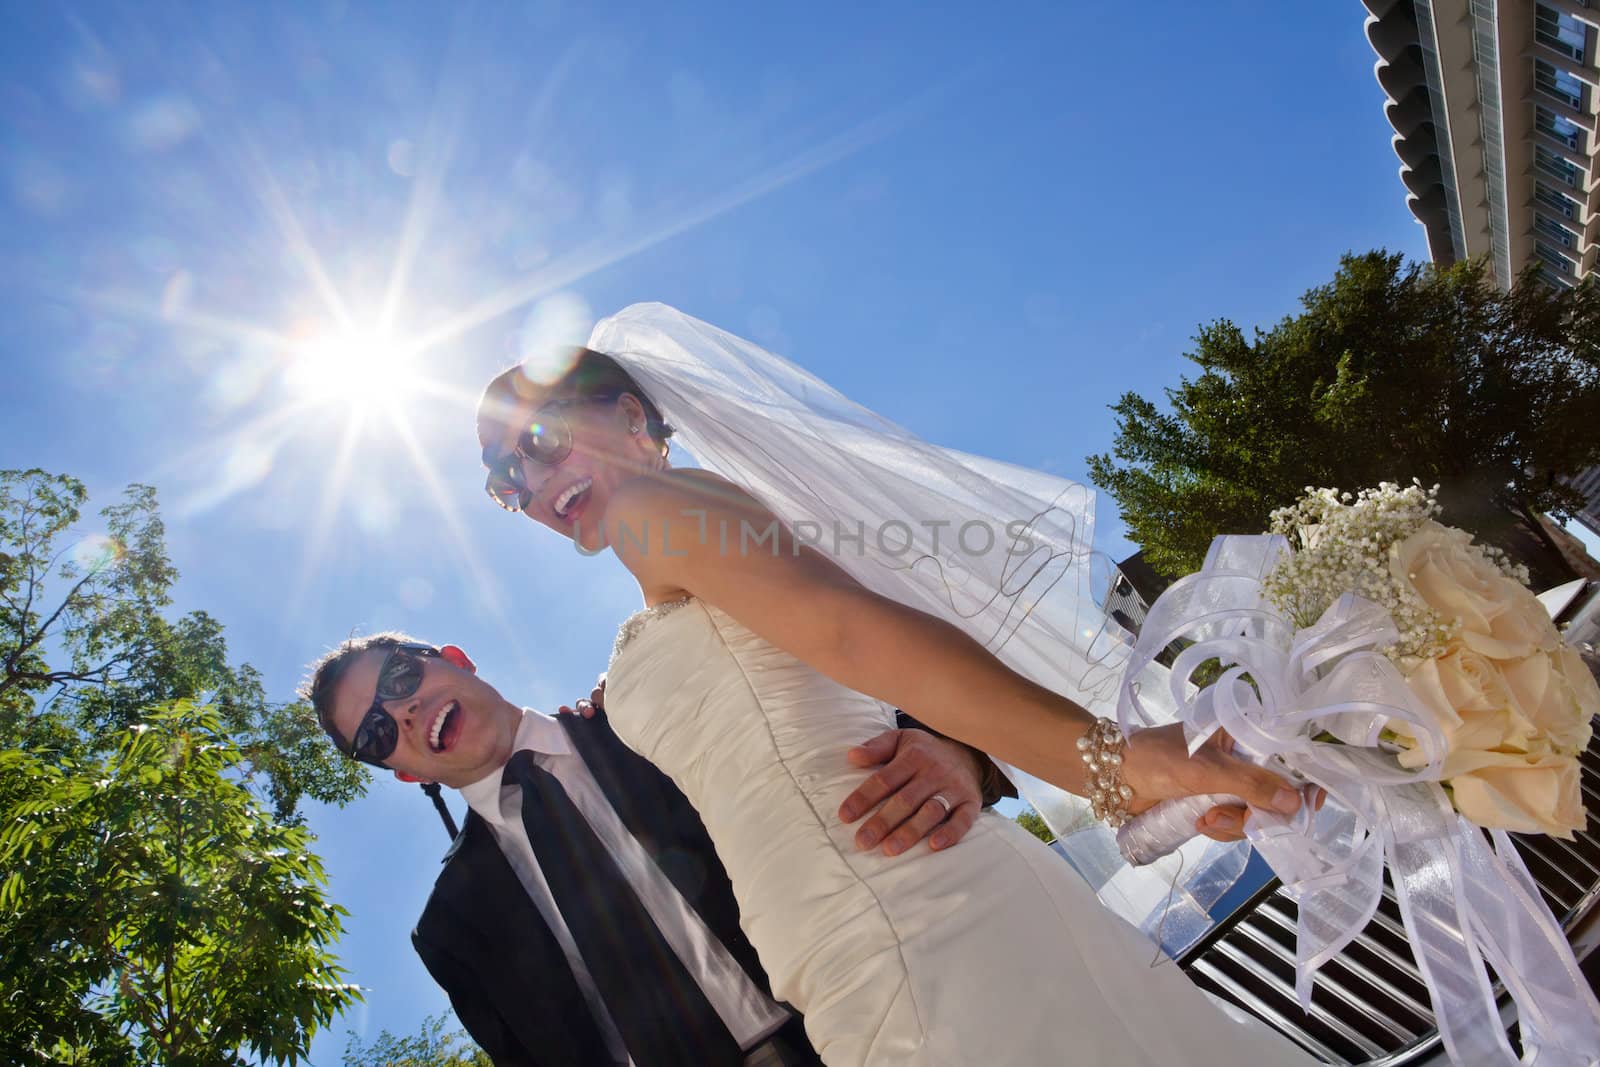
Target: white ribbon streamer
point(1281, 695)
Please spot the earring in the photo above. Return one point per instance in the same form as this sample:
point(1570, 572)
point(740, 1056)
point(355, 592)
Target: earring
point(632, 428)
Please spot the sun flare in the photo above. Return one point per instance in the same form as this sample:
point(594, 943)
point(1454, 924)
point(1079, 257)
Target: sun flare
point(364, 370)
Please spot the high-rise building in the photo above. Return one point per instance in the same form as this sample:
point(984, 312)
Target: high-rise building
point(1494, 105)
point(1588, 483)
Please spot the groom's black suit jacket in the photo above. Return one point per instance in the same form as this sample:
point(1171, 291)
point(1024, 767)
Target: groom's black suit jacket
point(485, 942)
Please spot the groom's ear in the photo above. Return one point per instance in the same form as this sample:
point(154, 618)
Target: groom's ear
point(454, 656)
point(404, 777)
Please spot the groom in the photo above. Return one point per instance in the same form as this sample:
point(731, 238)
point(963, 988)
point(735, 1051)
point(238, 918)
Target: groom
point(582, 916)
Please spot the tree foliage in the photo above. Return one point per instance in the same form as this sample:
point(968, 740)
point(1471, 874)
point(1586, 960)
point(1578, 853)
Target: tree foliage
point(158, 899)
point(1034, 823)
point(431, 1046)
point(153, 912)
point(111, 586)
point(1391, 371)
point(85, 647)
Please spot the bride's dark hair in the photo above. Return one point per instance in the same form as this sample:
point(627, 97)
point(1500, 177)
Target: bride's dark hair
point(591, 376)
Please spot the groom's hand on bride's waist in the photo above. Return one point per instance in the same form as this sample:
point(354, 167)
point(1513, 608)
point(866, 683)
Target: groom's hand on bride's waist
point(925, 785)
point(915, 768)
point(587, 708)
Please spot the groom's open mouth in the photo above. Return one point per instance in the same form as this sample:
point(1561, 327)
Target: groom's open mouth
point(569, 503)
point(446, 727)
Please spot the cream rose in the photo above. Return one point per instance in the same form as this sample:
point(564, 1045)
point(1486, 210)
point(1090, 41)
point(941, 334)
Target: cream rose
point(1512, 731)
point(1468, 702)
point(1556, 694)
point(1499, 618)
point(1537, 795)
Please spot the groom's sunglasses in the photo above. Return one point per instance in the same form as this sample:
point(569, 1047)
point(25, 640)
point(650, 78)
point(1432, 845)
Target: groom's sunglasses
point(546, 439)
point(399, 677)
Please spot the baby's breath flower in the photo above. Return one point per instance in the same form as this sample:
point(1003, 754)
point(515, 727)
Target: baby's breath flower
point(1342, 543)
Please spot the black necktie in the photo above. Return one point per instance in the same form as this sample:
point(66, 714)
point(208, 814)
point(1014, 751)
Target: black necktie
point(660, 1009)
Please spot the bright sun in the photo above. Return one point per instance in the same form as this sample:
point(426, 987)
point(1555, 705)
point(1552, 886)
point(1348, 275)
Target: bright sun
point(362, 369)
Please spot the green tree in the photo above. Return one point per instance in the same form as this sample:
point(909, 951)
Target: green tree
point(152, 912)
point(112, 584)
point(1391, 371)
point(1034, 823)
point(158, 899)
point(432, 1046)
point(85, 647)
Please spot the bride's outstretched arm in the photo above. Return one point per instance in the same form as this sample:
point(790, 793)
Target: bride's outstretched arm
point(685, 531)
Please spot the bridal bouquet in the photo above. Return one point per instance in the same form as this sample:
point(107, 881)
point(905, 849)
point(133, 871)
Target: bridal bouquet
point(1366, 649)
point(1478, 652)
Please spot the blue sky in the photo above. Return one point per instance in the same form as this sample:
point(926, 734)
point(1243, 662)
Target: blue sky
point(985, 226)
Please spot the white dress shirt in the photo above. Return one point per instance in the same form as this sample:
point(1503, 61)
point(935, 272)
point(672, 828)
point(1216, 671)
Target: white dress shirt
point(749, 1014)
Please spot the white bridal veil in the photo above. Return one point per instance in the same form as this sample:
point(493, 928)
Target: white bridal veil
point(1003, 552)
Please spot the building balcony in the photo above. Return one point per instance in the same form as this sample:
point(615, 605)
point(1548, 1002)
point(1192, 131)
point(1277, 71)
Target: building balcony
point(1564, 63)
point(1392, 34)
point(1578, 158)
point(1581, 11)
point(1380, 9)
point(1400, 75)
point(1417, 148)
point(1429, 210)
point(1562, 205)
point(1559, 105)
point(1561, 238)
point(1408, 115)
point(1426, 175)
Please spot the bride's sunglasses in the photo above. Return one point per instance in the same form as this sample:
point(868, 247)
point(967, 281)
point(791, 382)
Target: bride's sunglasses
point(399, 677)
point(545, 440)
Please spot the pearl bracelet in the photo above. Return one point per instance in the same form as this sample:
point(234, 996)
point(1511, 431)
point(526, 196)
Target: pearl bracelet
point(1101, 748)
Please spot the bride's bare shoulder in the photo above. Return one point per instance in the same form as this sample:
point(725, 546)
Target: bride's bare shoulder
point(695, 477)
point(670, 492)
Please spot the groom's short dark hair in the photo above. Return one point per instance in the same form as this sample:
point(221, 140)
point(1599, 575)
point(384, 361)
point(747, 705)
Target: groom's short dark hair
point(584, 373)
point(327, 671)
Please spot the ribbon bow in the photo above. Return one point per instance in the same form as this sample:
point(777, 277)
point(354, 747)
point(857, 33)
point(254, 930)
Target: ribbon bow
point(1313, 703)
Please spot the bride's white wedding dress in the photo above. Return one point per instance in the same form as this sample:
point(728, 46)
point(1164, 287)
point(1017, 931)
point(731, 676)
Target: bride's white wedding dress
point(992, 952)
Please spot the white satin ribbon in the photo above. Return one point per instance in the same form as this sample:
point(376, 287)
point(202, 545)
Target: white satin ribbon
point(1463, 902)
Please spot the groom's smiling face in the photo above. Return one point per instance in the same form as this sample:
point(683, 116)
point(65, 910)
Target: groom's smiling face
point(455, 729)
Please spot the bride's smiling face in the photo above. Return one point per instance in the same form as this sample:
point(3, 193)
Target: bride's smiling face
point(571, 454)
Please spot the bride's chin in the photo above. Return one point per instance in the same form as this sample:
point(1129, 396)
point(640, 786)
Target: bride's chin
point(589, 540)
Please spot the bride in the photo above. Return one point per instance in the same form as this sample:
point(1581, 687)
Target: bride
point(796, 589)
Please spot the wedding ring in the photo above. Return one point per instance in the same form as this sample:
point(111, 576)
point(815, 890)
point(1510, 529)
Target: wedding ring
point(938, 798)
